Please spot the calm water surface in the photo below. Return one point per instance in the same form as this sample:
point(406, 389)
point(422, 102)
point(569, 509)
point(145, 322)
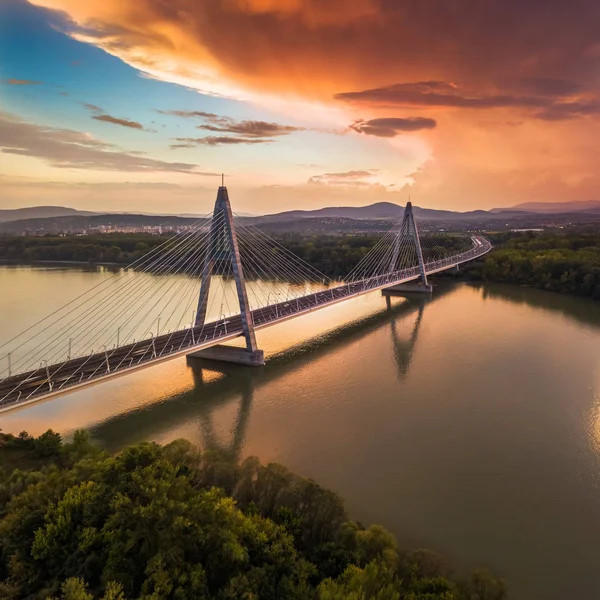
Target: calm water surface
point(469, 424)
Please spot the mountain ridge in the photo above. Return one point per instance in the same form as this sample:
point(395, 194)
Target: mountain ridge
point(552, 207)
point(40, 212)
point(64, 217)
point(389, 210)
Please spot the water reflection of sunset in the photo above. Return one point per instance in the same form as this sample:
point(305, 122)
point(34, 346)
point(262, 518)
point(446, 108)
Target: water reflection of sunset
point(84, 408)
point(593, 421)
point(468, 411)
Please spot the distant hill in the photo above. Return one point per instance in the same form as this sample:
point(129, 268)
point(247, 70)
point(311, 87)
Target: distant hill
point(40, 212)
point(82, 221)
point(372, 218)
point(379, 210)
point(388, 210)
point(550, 208)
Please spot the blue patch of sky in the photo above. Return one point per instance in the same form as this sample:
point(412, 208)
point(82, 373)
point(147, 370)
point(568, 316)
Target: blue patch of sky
point(34, 47)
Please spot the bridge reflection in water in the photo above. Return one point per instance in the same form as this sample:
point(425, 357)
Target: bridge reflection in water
point(216, 411)
point(404, 348)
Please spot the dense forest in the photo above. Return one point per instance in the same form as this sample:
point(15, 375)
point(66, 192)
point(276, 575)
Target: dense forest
point(171, 522)
point(556, 261)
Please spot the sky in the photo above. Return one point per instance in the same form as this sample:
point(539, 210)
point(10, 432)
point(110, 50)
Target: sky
point(140, 105)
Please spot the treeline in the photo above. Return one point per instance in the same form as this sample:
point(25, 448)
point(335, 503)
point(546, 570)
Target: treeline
point(110, 248)
point(562, 262)
point(336, 256)
point(171, 522)
point(333, 255)
point(559, 261)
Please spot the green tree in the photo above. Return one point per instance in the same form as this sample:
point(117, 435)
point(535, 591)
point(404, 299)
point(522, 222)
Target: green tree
point(48, 444)
point(376, 581)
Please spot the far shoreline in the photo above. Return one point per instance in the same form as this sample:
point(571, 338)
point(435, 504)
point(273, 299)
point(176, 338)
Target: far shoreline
point(22, 263)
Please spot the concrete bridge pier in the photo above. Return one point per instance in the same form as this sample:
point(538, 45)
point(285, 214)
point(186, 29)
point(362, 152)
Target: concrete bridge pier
point(408, 288)
point(231, 354)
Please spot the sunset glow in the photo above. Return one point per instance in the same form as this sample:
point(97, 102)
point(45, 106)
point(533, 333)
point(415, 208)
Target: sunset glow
point(139, 105)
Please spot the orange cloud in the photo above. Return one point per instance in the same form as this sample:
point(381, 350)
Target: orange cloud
point(313, 13)
point(316, 48)
point(474, 68)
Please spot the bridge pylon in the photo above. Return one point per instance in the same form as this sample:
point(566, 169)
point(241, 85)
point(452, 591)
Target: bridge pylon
point(223, 248)
point(408, 229)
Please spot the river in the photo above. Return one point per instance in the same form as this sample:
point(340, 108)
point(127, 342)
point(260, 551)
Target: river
point(468, 423)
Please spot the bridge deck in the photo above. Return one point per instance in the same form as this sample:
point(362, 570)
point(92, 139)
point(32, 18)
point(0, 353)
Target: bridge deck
point(58, 378)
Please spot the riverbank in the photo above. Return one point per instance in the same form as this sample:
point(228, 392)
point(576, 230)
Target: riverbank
point(556, 263)
point(75, 263)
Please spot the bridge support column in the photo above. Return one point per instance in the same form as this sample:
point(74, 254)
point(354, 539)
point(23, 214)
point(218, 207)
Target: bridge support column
point(407, 288)
point(223, 248)
point(231, 354)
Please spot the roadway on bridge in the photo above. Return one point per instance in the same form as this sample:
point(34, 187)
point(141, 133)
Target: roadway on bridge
point(58, 378)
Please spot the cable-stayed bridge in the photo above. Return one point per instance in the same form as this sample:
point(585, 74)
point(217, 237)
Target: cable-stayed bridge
point(218, 280)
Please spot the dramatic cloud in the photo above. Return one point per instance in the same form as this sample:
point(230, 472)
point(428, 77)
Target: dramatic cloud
point(314, 48)
point(68, 149)
point(445, 94)
point(102, 116)
point(552, 102)
point(21, 82)
point(212, 140)
point(461, 63)
point(390, 127)
point(436, 94)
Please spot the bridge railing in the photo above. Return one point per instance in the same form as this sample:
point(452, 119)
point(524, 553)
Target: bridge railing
point(49, 378)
